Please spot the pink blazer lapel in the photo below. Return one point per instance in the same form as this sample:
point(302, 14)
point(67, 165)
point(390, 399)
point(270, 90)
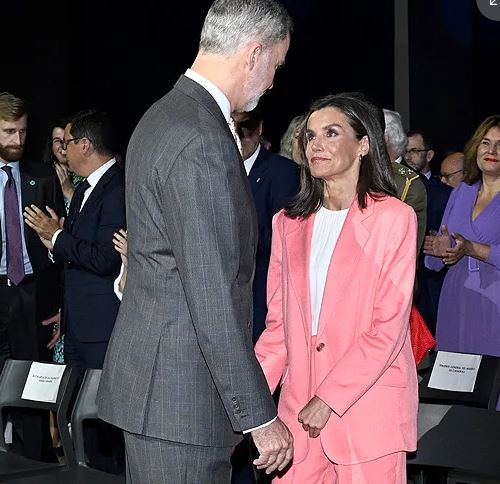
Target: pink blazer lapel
point(298, 248)
point(349, 248)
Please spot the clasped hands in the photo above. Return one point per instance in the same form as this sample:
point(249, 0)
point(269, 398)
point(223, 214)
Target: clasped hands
point(275, 442)
point(439, 245)
point(45, 226)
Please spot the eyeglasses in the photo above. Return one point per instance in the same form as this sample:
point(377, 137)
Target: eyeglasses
point(64, 143)
point(414, 151)
point(446, 176)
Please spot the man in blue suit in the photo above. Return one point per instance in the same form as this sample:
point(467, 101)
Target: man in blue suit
point(419, 154)
point(274, 181)
point(84, 242)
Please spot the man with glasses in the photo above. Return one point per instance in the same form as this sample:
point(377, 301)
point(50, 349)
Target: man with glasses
point(453, 169)
point(91, 264)
point(30, 289)
point(84, 243)
point(419, 154)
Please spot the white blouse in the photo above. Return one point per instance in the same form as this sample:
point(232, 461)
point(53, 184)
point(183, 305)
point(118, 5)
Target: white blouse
point(326, 231)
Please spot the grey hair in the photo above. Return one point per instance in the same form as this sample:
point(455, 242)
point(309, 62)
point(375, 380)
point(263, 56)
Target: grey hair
point(291, 132)
point(394, 133)
point(230, 24)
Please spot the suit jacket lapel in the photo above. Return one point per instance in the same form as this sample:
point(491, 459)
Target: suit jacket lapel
point(346, 254)
point(95, 195)
point(298, 248)
point(28, 197)
point(258, 171)
point(203, 97)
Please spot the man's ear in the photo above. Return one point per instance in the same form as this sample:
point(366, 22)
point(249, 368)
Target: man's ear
point(254, 52)
point(430, 155)
point(86, 145)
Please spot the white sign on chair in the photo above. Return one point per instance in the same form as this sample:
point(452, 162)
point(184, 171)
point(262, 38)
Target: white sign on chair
point(455, 371)
point(42, 382)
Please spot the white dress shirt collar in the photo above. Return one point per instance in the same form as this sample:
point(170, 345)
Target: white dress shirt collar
point(249, 162)
point(96, 175)
point(219, 97)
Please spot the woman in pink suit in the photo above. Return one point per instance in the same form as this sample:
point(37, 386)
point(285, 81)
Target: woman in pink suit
point(340, 286)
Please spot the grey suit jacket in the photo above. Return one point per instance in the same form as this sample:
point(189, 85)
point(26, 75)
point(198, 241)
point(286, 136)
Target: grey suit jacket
point(180, 364)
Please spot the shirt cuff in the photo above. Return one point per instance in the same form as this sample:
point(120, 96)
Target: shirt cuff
point(260, 426)
point(116, 284)
point(54, 237)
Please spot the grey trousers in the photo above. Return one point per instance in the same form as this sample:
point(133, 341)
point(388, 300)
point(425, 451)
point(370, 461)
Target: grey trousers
point(155, 461)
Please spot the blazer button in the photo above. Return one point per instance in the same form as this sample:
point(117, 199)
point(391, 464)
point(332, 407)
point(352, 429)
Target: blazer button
point(320, 347)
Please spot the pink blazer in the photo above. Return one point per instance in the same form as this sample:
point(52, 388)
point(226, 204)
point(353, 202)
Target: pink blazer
point(364, 367)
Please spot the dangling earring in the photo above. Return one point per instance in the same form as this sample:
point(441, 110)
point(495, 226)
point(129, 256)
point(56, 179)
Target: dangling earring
point(360, 157)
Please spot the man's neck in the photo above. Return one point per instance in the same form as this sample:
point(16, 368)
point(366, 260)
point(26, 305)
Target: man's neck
point(221, 71)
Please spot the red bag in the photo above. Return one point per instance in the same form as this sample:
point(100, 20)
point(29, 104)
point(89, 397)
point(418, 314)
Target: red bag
point(421, 338)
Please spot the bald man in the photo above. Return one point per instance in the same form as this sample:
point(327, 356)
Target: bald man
point(453, 169)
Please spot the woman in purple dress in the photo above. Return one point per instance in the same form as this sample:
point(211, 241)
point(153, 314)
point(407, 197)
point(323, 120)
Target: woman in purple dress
point(469, 244)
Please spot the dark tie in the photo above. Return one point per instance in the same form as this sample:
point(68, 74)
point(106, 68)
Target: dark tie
point(15, 258)
point(76, 201)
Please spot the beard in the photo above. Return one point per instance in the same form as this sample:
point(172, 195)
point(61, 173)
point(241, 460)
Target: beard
point(251, 104)
point(11, 153)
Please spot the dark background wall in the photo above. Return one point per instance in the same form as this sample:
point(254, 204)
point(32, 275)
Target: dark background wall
point(122, 56)
point(454, 69)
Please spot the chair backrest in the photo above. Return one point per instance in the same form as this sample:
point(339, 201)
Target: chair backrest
point(459, 437)
point(85, 409)
point(12, 381)
point(485, 394)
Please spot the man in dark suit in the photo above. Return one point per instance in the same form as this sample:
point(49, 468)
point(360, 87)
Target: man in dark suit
point(180, 376)
point(30, 283)
point(84, 243)
point(274, 181)
point(419, 154)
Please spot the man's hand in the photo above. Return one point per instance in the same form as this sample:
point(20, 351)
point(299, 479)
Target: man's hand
point(56, 319)
point(275, 445)
point(314, 416)
point(43, 225)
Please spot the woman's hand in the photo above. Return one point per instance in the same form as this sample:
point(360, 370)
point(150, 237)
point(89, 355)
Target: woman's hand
point(437, 245)
point(314, 416)
point(454, 254)
point(120, 244)
point(56, 321)
point(65, 181)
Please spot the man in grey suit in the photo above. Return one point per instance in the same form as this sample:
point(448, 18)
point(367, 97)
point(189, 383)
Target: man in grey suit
point(180, 375)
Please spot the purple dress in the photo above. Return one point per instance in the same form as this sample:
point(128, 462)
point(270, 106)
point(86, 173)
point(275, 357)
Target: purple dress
point(468, 318)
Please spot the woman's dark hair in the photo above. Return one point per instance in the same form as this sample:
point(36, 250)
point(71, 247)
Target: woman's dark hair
point(376, 177)
point(47, 153)
point(472, 172)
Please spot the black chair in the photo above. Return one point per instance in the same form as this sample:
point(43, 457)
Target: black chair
point(12, 381)
point(486, 388)
point(78, 471)
point(456, 442)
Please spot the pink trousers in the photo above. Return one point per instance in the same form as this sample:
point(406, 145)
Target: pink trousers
point(316, 468)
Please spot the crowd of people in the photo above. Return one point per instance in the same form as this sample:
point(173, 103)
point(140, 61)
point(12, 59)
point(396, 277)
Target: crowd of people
point(237, 271)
